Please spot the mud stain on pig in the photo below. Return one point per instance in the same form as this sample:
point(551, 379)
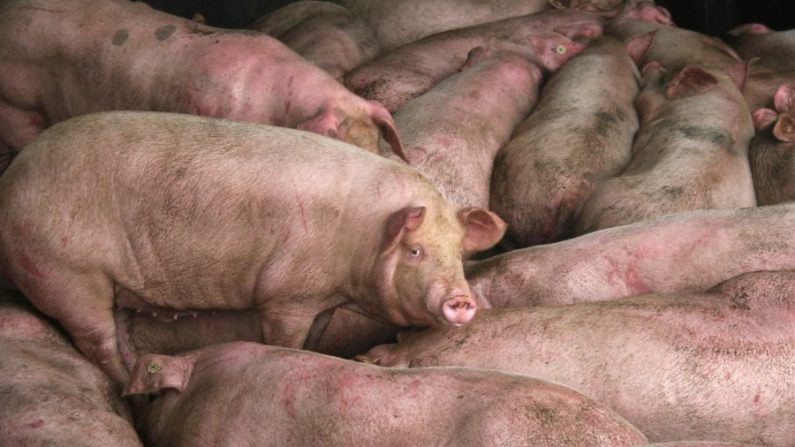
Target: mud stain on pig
point(120, 36)
point(164, 32)
point(607, 121)
point(712, 135)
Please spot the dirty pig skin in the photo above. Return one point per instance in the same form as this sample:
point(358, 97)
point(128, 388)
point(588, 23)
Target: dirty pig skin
point(184, 212)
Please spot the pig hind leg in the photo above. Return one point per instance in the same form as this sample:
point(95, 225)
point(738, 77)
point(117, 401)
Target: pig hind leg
point(83, 305)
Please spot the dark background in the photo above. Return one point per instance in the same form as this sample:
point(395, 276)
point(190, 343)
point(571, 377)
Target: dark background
point(715, 17)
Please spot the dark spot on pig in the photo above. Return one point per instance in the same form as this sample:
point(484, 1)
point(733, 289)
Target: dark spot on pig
point(605, 122)
point(740, 302)
point(756, 398)
point(712, 135)
point(120, 37)
point(164, 32)
point(40, 422)
point(674, 192)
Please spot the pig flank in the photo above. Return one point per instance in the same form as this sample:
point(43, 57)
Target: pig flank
point(548, 39)
point(67, 58)
point(241, 394)
point(691, 151)
point(452, 133)
point(196, 213)
point(696, 366)
point(579, 135)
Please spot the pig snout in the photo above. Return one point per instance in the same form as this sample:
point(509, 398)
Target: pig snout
point(459, 310)
point(454, 306)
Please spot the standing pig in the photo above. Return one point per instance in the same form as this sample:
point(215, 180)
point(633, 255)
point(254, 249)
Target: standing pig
point(51, 395)
point(691, 151)
point(290, 397)
point(550, 39)
point(775, 50)
point(708, 366)
point(184, 212)
point(328, 35)
point(771, 150)
point(59, 59)
point(682, 253)
point(452, 133)
point(579, 135)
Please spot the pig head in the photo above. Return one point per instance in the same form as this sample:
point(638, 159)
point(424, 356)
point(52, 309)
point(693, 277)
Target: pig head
point(359, 127)
point(419, 275)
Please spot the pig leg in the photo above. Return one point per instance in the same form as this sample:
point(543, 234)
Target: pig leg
point(20, 126)
point(288, 324)
point(84, 307)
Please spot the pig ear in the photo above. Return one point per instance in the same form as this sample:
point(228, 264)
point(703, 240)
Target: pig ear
point(783, 98)
point(639, 46)
point(325, 123)
point(691, 81)
point(649, 12)
point(154, 373)
point(483, 229)
point(763, 118)
point(785, 128)
point(652, 72)
point(383, 119)
point(750, 28)
point(400, 222)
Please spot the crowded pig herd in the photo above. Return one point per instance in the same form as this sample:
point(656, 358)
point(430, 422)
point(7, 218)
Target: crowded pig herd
point(406, 222)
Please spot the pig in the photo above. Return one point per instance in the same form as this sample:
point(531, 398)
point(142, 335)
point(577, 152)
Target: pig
point(452, 133)
point(400, 22)
point(550, 39)
point(771, 150)
point(682, 253)
point(51, 394)
point(775, 50)
point(189, 213)
point(343, 331)
point(715, 365)
point(328, 35)
point(291, 397)
point(579, 135)
point(701, 444)
point(674, 47)
point(691, 151)
point(60, 59)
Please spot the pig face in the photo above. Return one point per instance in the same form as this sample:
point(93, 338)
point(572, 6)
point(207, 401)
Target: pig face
point(419, 274)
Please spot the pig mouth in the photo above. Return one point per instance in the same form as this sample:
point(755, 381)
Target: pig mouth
point(459, 310)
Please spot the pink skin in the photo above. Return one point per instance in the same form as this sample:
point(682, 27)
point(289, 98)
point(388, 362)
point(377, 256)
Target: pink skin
point(328, 35)
point(762, 84)
point(775, 50)
point(689, 153)
point(68, 58)
point(51, 394)
point(549, 39)
point(294, 397)
point(452, 132)
point(254, 223)
point(715, 365)
point(683, 253)
point(567, 146)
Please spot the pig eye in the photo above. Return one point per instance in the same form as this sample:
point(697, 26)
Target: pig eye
point(415, 251)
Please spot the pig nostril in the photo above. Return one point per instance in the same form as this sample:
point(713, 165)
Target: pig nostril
point(459, 310)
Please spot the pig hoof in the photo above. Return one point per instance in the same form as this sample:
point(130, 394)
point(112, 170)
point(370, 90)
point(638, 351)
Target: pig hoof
point(459, 310)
